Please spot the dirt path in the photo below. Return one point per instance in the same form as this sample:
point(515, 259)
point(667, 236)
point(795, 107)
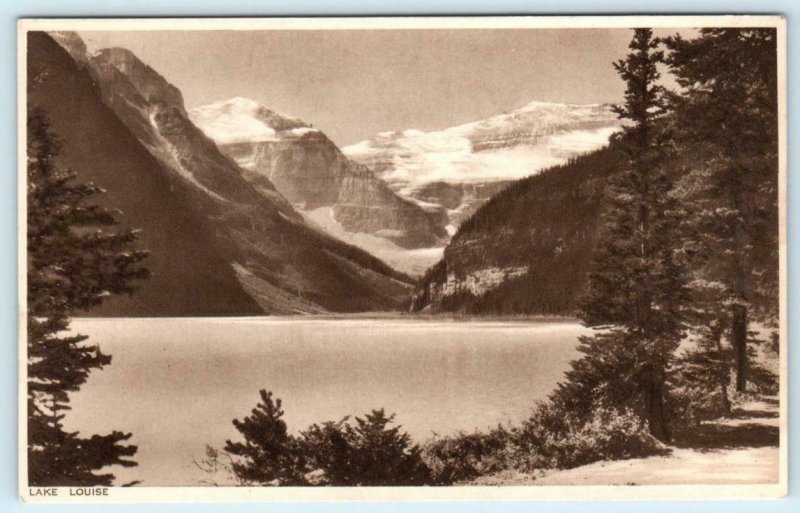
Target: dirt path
point(742, 448)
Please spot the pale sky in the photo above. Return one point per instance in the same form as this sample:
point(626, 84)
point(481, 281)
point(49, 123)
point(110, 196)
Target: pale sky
point(354, 84)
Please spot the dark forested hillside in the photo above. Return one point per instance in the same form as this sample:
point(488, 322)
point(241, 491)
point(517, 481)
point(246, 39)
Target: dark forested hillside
point(528, 249)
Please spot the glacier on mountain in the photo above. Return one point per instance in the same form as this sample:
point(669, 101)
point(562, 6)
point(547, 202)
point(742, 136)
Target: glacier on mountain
point(500, 148)
point(241, 120)
point(445, 174)
point(311, 172)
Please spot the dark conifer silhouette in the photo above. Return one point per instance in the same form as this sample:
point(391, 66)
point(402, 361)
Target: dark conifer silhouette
point(367, 452)
point(730, 103)
point(637, 286)
point(268, 454)
point(74, 261)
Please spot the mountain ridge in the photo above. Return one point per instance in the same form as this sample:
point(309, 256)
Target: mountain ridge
point(286, 265)
point(451, 172)
point(551, 132)
point(311, 171)
point(101, 149)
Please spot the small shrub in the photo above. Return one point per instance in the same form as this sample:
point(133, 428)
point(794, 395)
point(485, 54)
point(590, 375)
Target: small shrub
point(762, 380)
point(466, 456)
point(217, 469)
point(551, 438)
point(692, 403)
point(612, 435)
point(700, 383)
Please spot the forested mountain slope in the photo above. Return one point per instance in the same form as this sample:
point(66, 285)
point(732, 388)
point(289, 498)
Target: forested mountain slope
point(528, 249)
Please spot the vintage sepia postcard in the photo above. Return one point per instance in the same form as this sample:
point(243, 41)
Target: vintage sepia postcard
point(449, 258)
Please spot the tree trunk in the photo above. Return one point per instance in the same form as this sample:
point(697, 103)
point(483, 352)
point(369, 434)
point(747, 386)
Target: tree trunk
point(724, 370)
point(656, 419)
point(739, 285)
point(739, 342)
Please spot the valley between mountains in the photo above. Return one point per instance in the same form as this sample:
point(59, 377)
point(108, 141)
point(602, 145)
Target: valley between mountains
point(247, 211)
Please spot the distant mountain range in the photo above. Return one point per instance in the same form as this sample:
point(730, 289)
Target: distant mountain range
point(499, 148)
point(332, 192)
point(126, 128)
point(452, 172)
point(248, 211)
point(400, 195)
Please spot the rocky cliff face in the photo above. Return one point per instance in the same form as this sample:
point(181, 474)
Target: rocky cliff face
point(311, 172)
point(284, 264)
point(305, 169)
point(366, 204)
point(74, 45)
point(455, 202)
point(148, 83)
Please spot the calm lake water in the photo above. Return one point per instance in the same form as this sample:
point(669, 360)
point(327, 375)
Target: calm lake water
point(178, 383)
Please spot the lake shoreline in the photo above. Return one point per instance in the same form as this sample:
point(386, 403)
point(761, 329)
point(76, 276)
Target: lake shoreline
point(363, 316)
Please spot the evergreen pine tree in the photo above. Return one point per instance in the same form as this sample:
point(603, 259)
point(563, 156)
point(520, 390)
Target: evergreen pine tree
point(729, 103)
point(384, 455)
point(637, 288)
point(269, 454)
point(73, 262)
point(367, 452)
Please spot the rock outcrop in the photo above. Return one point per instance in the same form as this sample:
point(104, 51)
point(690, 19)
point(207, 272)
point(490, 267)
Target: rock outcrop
point(148, 83)
point(311, 172)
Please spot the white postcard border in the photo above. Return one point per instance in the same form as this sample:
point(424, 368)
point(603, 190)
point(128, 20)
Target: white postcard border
point(374, 494)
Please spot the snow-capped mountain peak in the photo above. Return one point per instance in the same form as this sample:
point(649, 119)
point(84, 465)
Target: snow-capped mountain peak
point(242, 120)
point(506, 146)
